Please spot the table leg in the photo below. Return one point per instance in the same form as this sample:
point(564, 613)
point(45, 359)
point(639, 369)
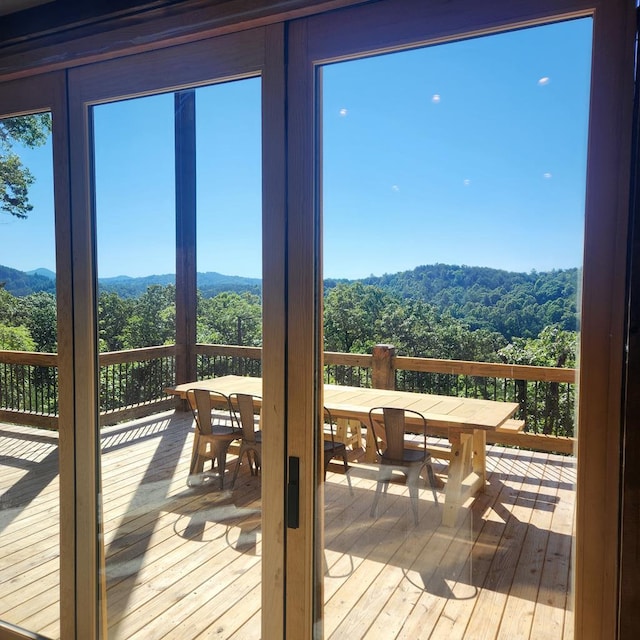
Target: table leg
point(458, 471)
point(348, 431)
point(479, 459)
point(342, 426)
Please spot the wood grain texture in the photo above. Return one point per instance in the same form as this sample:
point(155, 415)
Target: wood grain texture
point(186, 562)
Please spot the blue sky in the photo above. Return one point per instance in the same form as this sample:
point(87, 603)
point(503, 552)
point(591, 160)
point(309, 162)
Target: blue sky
point(465, 153)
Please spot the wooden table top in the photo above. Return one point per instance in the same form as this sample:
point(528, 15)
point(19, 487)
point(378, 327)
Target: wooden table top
point(355, 402)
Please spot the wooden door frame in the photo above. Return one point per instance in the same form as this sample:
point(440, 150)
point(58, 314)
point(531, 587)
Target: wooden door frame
point(599, 508)
point(47, 92)
point(251, 53)
point(387, 26)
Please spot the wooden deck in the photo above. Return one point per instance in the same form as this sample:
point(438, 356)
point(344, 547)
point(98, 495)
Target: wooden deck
point(185, 563)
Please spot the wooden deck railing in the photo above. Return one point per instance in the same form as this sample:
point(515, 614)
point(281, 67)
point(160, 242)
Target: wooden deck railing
point(132, 383)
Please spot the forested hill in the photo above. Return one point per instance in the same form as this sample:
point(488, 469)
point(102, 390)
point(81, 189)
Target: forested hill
point(210, 284)
point(19, 283)
point(515, 304)
point(511, 303)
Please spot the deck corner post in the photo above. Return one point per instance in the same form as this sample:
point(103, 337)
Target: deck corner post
point(383, 370)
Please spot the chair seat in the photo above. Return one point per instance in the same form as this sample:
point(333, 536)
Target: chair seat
point(220, 431)
point(409, 456)
point(333, 446)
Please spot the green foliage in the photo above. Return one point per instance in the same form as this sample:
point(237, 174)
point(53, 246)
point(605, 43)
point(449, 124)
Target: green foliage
point(16, 339)
point(114, 313)
point(512, 304)
point(358, 316)
point(152, 319)
point(11, 313)
point(15, 178)
point(41, 319)
point(554, 347)
point(230, 318)
point(353, 316)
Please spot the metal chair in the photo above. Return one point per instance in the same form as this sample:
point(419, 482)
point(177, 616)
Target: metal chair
point(333, 449)
point(214, 433)
point(388, 432)
point(244, 408)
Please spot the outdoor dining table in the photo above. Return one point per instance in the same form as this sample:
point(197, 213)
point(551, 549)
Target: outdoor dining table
point(463, 421)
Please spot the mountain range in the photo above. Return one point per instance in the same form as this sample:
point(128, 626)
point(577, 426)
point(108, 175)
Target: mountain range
point(512, 303)
point(23, 283)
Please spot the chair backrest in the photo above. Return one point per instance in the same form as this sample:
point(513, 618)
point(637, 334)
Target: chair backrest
point(328, 419)
point(202, 403)
point(389, 429)
point(244, 408)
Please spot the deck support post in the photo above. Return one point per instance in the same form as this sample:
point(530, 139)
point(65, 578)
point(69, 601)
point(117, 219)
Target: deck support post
point(383, 369)
point(186, 291)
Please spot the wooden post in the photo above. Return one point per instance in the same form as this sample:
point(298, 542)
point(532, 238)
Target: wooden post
point(186, 293)
point(383, 376)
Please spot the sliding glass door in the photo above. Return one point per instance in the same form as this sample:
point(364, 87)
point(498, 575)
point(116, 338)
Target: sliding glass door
point(447, 227)
point(32, 437)
point(395, 204)
point(174, 295)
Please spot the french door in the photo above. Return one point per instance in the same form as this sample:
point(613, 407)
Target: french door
point(169, 148)
point(355, 89)
point(129, 135)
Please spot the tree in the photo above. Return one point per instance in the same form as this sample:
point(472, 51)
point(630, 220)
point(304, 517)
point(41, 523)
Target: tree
point(352, 317)
point(10, 309)
point(113, 314)
point(230, 318)
point(15, 179)
point(41, 319)
point(16, 339)
point(152, 322)
point(554, 347)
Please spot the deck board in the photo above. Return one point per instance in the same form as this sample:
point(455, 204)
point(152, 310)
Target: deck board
point(185, 562)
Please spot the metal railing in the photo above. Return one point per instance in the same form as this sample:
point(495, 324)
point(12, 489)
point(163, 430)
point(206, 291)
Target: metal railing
point(29, 387)
point(132, 383)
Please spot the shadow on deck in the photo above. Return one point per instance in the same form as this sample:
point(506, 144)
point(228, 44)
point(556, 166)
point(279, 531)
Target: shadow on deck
point(183, 562)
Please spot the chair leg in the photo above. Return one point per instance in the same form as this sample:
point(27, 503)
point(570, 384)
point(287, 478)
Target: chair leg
point(194, 453)
point(383, 484)
point(196, 467)
point(413, 479)
point(222, 461)
point(374, 506)
point(432, 480)
point(347, 471)
point(238, 463)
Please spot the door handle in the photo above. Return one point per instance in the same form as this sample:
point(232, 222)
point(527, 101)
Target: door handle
point(293, 493)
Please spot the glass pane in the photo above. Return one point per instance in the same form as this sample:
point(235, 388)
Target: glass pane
point(453, 213)
point(29, 485)
point(182, 541)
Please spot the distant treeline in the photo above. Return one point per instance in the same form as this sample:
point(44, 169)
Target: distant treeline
point(440, 311)
point(21, 283)
point(510, 303)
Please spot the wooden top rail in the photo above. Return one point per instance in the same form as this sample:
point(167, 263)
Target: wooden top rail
point(229, 350)
point(363, 360)
point(136, 355)
point(33, 358)
point(486, 369)
point(348, 359)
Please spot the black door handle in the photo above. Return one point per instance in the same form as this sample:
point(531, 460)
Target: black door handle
point(293, 493)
